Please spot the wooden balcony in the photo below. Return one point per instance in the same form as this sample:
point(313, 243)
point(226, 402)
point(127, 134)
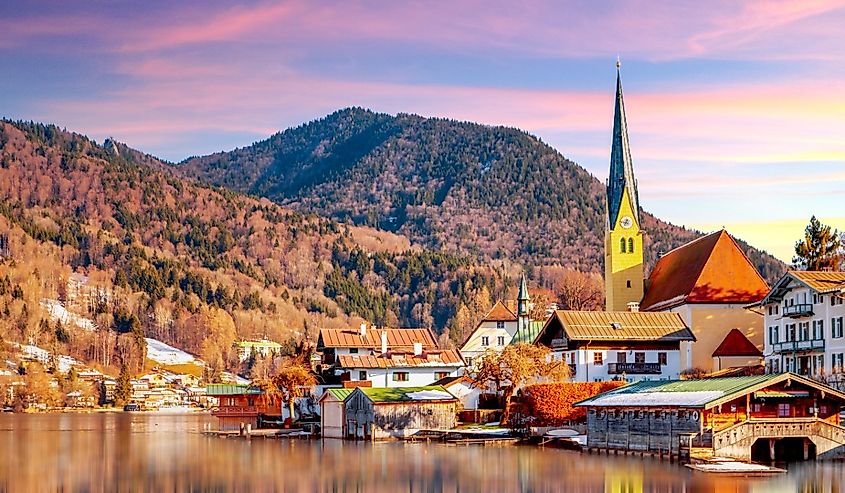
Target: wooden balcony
point(797, 346)
point(633, 368)
point(237, 411)
point(798, 311)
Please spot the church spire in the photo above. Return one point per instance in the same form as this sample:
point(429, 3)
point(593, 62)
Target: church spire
point(522, 298)
point(621, 168)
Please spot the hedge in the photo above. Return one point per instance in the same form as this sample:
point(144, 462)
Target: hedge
point(550, 404)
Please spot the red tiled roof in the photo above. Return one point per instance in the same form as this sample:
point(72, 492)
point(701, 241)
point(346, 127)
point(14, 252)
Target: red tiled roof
point(736, 344)
point(711, 269)
point(396, 338)
point(499, 313)
point(446, 357)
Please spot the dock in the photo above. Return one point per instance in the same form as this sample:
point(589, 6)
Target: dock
point(728, 467)
point(260, 433)
point(463, 437)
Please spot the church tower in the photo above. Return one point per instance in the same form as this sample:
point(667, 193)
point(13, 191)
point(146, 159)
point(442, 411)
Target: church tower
point(623, 239)
point(523, 318)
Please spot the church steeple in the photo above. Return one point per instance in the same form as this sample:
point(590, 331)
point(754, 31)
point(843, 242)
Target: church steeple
point(621, 177)
point(623, 239)
point(522, 298)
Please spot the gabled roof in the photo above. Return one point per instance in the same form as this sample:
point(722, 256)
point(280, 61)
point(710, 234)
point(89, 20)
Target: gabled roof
point(429, 393)
point(449, 381)
point(499, 313)
point(231, 389)
point(617, 326)
point(437, 358)
point(737, 344)
point(339, 394)
point(396, 338)
point(704, 394)
point(822, 282)
point(710, 269)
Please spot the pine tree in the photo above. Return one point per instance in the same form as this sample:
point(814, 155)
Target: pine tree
point(123, 391)
point(820, 248)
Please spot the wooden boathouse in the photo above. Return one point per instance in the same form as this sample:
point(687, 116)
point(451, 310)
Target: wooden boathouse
point(398, 412)
point(763, 417)
point(241, 405)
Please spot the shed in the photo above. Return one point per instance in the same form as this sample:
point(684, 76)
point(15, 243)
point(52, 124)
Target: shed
point(332, 412)
point(384, 413)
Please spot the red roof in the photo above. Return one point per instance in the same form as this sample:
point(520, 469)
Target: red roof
point(710, 269)
point(396, 338)
point(445, 357)
point(499, 313)
point(736, 344)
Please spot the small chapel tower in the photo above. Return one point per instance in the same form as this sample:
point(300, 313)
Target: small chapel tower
point(523, 318)
point(623, 239)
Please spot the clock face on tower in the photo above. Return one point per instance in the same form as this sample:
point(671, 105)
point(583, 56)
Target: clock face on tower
point(626, 222)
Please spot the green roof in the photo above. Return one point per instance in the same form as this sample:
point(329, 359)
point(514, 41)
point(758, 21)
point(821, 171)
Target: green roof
point(231, 389)
point(399, 394)
point(340, 394)
point(689, 393)
point(527, 336)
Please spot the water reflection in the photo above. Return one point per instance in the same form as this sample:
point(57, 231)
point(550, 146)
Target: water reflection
point(131, 452)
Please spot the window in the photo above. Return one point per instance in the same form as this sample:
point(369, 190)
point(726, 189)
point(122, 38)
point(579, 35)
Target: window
point(790, 336)
point(639, 357)
point(598, 358)
point(775, 366)
point(500, 324)
point(805, 331)
point(756, 407)
point(621, 357)
point(353, 350)
point(836, 327)
point(835, 300)
point(773, 334)
point(661, 358)
point(469, 361)
point(622, 245)
point(818, 299)
point(783, 410)
point(572, 357)
point(440, 374)
point(818, 329)
point(628, 283)
point(820, 363)
point(630, 245)
point(777, 309)
point(400, 376)
point(836, 361)
point(250, 401)
point(501, 340)
point(485, 341)
point(362, 375)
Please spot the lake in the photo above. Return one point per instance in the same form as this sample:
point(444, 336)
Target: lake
point(153, 452)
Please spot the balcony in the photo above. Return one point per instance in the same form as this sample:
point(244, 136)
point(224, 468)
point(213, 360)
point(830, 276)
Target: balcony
point(633, 368)
point(797, 346)
point(798, 311)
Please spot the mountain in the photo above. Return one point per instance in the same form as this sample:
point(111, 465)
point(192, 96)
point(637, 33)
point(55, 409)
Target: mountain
point(491, 192)
point(116, 238)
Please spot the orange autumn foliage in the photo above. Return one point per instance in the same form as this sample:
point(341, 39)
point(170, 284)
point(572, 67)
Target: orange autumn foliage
point(550, 404)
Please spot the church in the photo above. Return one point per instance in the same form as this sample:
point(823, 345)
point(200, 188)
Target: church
point(708, 281)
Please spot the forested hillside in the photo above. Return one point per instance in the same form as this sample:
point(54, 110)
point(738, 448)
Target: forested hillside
point(195, 267)
point(491, 192)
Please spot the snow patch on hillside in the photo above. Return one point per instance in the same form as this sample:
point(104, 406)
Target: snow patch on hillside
point(57, 311)
point(166, 354)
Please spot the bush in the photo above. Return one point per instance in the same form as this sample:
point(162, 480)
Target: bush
point(550, 404)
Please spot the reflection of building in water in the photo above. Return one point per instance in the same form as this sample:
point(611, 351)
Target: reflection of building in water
point(624, 481)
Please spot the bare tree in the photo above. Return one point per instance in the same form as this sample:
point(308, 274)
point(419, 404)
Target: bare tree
point(580, 291)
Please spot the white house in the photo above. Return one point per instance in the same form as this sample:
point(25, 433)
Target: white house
point(501, 327)
point(633, 346)
point(387, 357)
point(262, 348)
point(805, 323)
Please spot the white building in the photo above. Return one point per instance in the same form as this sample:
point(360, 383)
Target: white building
point(387, 357)
point(633, 346)
point(262, 348)
point(805, 323)
point(501, 327)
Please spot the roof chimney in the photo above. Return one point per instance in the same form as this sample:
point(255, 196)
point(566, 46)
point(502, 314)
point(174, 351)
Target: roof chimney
point(633, 306)
point(364, 329)
point(384, 342)
point(417, 348)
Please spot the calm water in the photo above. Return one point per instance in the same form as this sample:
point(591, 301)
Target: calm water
point(134, 452)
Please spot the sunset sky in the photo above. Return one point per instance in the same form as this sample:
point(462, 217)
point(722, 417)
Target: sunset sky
point(736, 110)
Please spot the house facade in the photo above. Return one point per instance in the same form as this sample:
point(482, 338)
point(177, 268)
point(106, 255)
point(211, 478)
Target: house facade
point(387, 357)
point(763, 417)
point(805, 324)
point(709, 282)
point(382, 414)
point(241, 404)
point(262, 348)
point(631, 346)
point(333, 413)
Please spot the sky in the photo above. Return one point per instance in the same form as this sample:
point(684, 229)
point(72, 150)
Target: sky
point(736, 110)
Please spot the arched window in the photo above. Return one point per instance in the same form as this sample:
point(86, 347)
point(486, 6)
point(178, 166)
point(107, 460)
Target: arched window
point(622, 245)
point(630, 245)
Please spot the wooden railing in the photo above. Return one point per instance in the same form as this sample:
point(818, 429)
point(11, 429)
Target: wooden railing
point(633, 368)
point(799, 310)
point(236, 410)
point(779, 428)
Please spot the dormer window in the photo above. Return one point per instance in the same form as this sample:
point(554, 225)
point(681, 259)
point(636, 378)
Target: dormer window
point(616, 325)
